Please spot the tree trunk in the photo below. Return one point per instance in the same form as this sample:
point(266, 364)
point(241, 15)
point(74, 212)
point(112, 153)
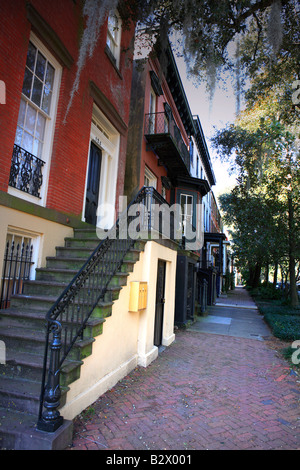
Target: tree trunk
point(292, 263)
point(275, 274)
point(256, 277)
point(267, 273)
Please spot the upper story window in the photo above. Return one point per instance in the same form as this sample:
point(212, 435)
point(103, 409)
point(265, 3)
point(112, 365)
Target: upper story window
point(149, 178)
point(152, 110)
point(36, 101)
point(113, 39)
point(35, 124)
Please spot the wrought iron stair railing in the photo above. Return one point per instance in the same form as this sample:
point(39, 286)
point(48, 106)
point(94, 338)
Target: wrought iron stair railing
point(67, 318)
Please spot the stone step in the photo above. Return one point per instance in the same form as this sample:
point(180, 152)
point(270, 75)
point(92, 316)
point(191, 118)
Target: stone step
point(90, 243)
point(52, 288)
point(18, 431)
point(44, 288)
point(22, 395)
point(55, 275)
point(29, 366)
point(36, 321)
point(60, 262)
point(33, 341)
point(85, 233)
point(13, 427)
point(73, 252)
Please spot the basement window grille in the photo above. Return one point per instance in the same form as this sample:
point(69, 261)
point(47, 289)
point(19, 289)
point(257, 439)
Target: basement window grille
point(17, 265)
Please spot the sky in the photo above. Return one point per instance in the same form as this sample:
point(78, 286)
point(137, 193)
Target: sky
point(213, 115)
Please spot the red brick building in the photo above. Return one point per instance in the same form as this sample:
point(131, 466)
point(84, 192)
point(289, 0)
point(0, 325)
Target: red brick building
point(38, 64)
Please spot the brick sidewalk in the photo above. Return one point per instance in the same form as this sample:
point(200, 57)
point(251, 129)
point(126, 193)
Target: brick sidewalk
point(203, 392)
point(238, 297)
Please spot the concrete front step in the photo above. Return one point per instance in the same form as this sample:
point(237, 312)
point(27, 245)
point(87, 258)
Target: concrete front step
point(33, 341)
point(55, 275)
point(23, 395)
point(73, 252)
point(18, 431)
point(90, 243)
point(29, 366)
point(52, 288)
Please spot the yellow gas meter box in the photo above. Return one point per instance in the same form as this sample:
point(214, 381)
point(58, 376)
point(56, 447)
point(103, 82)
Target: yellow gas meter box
point(138, 296)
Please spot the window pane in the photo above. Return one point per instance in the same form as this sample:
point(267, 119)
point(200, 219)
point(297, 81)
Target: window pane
point(40, 66)
point(46, 100)
point(37, 91)
point(40, 127)
point(27, 83)
point(49, 76)
point(31, 56)
point(27, 142)
point(35, 147)
point(30, 119)
point(18, 139)
point(22, 109)
point(113, 25)
point(40, 149)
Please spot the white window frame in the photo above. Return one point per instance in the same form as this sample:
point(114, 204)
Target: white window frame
point(113, 40)
point(152, 111)
point(104, 135)
point(152, 179)
point(186, 216)
point(35, 242)
point(49, 126)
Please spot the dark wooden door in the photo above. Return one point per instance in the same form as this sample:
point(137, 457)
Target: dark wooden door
point(190, 291)
point(93, 182)
point(160, 302)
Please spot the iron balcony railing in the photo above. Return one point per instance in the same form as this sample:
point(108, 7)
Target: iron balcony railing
point(26, 172)
point(67, 318)
point(164, 123)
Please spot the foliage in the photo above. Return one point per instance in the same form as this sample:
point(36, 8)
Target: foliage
point(204, 32)
point(285, 327)
point(283, 320)
point(263, 209)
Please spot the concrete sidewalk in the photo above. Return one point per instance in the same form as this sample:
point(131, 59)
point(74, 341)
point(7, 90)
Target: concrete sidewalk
point(234, 314)
point(206, 391)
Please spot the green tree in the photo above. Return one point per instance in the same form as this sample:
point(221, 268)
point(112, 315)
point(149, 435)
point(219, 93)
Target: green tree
point(264, 206)
point(203, 31)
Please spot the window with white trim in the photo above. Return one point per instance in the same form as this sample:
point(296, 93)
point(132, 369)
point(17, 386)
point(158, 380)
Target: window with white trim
point(35, 125)
point(186, 202)
point(150, 178)
point(113, 40)
point(20, 261)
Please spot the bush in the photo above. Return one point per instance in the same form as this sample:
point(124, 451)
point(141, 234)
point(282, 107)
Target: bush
point(277, 308)
point(285, 327)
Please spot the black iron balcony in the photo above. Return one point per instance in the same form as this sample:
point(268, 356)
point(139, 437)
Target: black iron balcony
point(26, 172)
point(164, 137)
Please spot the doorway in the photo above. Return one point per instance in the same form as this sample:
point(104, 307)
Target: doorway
point(190, 292)
point(93, 184)
point(160, 302)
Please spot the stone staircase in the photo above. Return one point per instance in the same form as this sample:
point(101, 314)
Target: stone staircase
point(22, 328)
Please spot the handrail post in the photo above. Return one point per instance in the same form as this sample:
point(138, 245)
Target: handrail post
point(51, 419)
